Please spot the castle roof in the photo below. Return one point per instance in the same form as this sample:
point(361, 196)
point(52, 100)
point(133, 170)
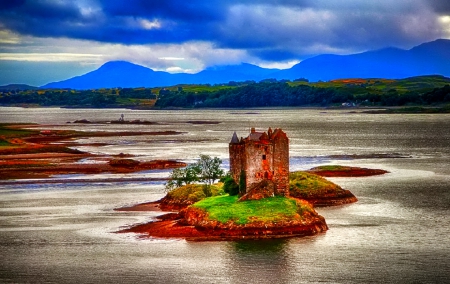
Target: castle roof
point(259, 136)
point(234, 139)
point(254, 136)
point(278, 133)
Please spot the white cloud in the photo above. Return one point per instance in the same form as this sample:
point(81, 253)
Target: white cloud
point(175, 69)
point(49, 57)
point(445, 23)
point(278, 65)
point(6, 37)
point(190, 57)
point(149, 25)
point(171, 58)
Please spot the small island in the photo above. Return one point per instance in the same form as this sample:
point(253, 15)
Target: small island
point(345, 171)
point(259, 198)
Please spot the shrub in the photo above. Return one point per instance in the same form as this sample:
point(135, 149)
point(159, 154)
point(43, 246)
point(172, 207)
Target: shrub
point(230, 186)
point(194, 192)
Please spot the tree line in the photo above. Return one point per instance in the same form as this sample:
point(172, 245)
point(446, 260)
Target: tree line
point(267, 93)
point(91, 98)
point(278, 94)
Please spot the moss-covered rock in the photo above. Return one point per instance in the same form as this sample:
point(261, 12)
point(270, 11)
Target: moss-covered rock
point(318, 190)
point(186, 195)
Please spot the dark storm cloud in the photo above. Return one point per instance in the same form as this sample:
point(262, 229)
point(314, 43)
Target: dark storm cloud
point(41, 18)
point(11, 4)
point(184, 11)
point(441, 7)
point(274, 54)
point(271, 30)
point(115, 21)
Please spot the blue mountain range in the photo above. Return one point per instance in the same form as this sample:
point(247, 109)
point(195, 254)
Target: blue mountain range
point(432, 58)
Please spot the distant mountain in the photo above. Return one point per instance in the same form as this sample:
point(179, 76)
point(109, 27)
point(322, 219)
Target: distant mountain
point(17, 87)
point(125, 74)
point(115, 74)
point(390, 63)
point(241, 72)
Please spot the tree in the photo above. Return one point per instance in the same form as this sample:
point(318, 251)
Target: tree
point(206, 170)
point(180, 177)
point(229, 185)
point(209, 171)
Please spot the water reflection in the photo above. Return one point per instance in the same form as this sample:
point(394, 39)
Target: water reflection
point(258, 261)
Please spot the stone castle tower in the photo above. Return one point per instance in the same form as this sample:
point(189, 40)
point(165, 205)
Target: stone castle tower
point(263, 156)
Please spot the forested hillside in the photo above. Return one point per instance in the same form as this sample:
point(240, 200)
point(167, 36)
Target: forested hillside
point(424, 90)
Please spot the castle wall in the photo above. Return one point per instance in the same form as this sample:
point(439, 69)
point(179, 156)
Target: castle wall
point(237, 160)
point(259, 158)
point(281, 164)
point(262, 157)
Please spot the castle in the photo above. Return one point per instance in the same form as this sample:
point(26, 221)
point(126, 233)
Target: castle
point(263, 157)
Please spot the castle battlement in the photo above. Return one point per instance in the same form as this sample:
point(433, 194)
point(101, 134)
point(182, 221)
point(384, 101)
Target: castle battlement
point(261, 156)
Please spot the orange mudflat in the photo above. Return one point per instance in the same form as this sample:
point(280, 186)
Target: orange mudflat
point(30, 154)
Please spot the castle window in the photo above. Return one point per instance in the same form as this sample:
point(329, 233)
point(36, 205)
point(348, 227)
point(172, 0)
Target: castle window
point(264, 157)
point(266, 175)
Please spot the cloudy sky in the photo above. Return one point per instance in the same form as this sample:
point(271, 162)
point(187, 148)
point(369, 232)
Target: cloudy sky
point(48, 40)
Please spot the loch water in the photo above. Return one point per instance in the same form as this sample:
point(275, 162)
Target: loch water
point(398, 231)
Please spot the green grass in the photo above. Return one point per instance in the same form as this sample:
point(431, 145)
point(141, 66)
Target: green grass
point(194, 192)
point(306, 185)
point(274, 209)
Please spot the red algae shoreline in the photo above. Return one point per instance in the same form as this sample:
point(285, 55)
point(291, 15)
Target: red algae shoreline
point(43, 154)
point(174, 226)
point(180, 224)
point(174, 229)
